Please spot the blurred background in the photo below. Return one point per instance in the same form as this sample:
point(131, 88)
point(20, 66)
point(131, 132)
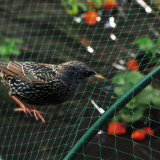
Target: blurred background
point(119, 39)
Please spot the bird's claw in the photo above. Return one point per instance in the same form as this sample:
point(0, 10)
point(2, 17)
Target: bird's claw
point(23, 107)
point(25, 110)
point(39, 114)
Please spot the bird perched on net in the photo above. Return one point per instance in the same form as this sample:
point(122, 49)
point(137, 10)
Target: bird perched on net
point(43, 84)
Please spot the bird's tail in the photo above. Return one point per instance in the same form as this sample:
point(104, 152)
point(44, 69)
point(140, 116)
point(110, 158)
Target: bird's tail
point(4, 66)
point(4, 63)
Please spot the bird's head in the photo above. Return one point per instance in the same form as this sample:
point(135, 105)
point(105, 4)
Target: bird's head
point(79, 70)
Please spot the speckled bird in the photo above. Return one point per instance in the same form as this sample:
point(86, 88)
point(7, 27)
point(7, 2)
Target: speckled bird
point(42, 84)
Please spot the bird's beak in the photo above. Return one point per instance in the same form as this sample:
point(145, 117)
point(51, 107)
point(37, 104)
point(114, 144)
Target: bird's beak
point(99, 76)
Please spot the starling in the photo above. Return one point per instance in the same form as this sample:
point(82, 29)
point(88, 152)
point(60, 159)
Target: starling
point(42, 84)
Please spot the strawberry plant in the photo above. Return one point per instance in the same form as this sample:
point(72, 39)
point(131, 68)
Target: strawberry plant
point(135, 109)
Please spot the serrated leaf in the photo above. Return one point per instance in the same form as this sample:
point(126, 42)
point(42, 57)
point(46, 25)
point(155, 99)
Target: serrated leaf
point(120, 90)
point(139, 112)
point(132, 116)
point(135, 76)
point(144, 96)
point(129, 76)
point(140, 103)
point(127, 117)
point(132, 104)
point(127, 80)
point(124, 115)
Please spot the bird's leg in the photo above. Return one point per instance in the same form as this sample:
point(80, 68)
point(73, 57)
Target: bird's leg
point(37, 113)
point(23, 107)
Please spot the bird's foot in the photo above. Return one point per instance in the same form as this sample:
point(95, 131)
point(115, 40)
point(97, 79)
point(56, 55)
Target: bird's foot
point(24, 109)
point(38, 113)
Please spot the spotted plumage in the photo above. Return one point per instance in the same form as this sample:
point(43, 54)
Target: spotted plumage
point(43, 84)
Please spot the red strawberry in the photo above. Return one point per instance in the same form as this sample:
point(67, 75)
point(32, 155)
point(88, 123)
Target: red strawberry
point(110, 4)
point(149, 70)
point(148, 131)
point(116, 128)
point(138, 135)
point(90, 17)
point(133, 64)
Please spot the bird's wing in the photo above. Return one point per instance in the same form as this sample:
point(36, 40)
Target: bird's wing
point(39, 73)
point(30, 72)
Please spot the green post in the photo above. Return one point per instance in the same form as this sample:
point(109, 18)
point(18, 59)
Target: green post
point(116, 107)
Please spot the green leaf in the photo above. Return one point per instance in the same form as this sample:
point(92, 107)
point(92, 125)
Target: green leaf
point(3, 50)
point(155, 97)
point(7, 46)
point(120, 90)
point(139, 112)
point(134, 110)
point(134, 76)
point(126, 81)
point(125, 115)
point(128, 117)
point(144, 43)
point(129, 77)
point(131, 115)
point(121, 78)
point(145, 40)
point(158, 41)
point(144, 96)
point(132, 104)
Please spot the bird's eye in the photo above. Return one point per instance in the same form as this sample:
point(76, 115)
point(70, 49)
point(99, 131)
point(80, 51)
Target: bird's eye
point(86, 73)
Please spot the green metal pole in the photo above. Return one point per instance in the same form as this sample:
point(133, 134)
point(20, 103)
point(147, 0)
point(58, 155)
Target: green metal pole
point(115, 108)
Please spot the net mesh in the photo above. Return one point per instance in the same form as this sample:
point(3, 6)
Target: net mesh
point(120, 41)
